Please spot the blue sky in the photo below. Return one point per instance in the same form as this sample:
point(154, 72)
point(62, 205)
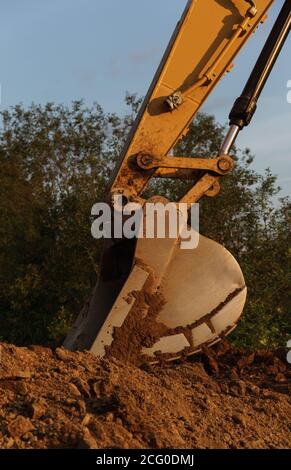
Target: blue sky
point(63, 50)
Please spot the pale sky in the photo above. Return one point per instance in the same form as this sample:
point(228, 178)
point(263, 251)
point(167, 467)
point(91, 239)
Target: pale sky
point(64, 50)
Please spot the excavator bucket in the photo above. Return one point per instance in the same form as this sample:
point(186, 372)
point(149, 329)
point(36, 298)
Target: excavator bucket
point(154, 300)
point(186, 299)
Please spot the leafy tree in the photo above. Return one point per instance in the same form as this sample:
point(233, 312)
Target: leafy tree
point(54, 166)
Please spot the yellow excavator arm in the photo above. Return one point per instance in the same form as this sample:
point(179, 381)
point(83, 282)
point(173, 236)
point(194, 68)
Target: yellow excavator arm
point(202, 50)
point(155, 300)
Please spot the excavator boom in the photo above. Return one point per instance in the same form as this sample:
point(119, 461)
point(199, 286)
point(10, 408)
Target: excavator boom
point(201, 51)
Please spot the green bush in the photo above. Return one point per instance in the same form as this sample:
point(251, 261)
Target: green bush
point(55, 163)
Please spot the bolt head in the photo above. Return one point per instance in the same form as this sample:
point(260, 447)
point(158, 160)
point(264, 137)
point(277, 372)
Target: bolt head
point(146, 160)
point(224, 164)
point(253, 12)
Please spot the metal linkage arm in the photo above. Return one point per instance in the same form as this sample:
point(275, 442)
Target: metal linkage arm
point(220, 165)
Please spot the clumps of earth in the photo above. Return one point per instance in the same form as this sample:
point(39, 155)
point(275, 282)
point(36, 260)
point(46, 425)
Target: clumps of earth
point(223, 398)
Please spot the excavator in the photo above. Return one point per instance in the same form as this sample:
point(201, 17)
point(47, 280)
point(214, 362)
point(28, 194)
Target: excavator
point(155, 301)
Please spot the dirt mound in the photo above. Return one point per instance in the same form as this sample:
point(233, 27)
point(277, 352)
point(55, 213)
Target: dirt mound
point(222, 399)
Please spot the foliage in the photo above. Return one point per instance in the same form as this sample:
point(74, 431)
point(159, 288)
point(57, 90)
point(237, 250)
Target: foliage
point(55, 163)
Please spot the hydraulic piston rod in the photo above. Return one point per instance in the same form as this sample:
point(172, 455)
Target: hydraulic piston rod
point(245, 106)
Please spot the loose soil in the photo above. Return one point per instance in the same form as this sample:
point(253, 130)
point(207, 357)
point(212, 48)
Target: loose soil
point(224, 398)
